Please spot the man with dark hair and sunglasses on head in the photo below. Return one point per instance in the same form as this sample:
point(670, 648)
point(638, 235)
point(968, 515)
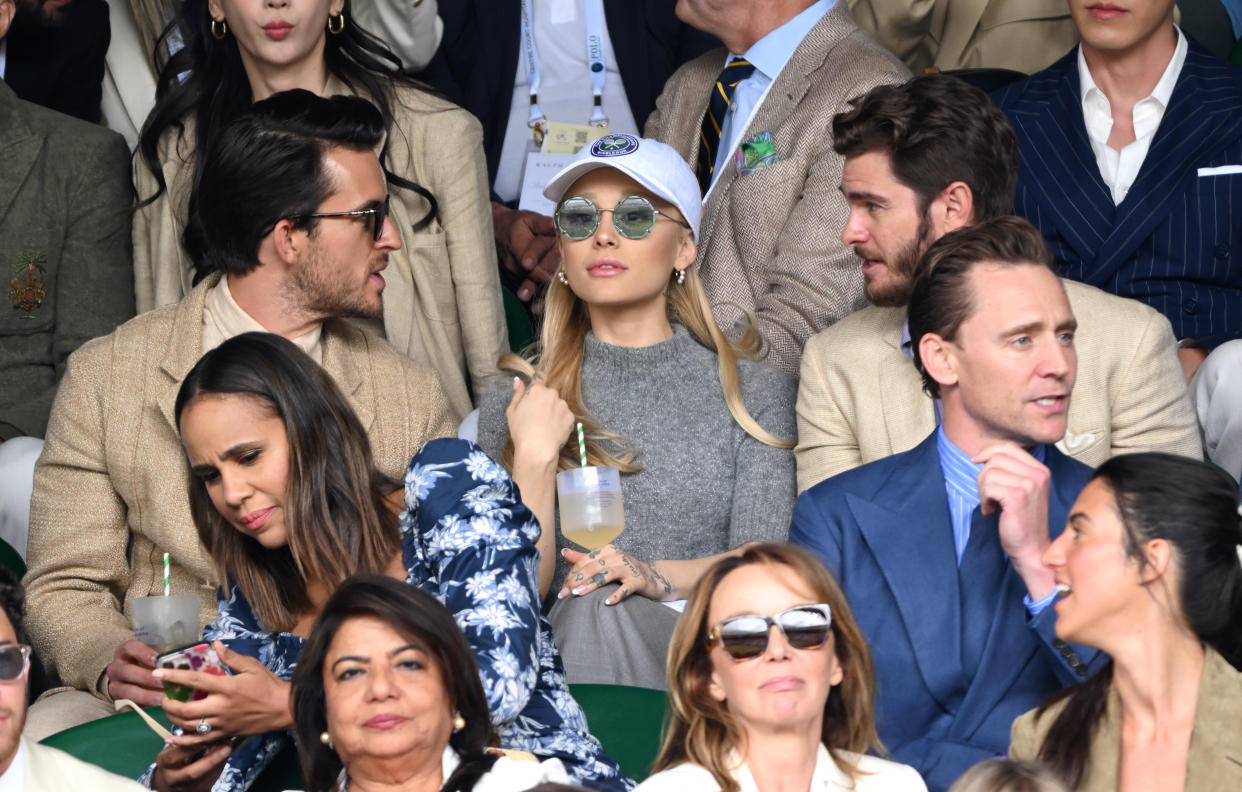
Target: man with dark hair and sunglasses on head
point(940, 548)
point(24, 764)
point(295, 246)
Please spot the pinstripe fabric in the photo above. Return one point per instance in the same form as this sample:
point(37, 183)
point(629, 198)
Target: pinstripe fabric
point(1175, 242)
point(733, 73)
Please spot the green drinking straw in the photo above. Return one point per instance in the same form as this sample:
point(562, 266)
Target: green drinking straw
point(582, 445)
point(166, 576)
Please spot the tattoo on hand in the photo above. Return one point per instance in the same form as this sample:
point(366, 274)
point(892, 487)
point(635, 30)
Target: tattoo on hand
point(647, 573)
point(599, 578)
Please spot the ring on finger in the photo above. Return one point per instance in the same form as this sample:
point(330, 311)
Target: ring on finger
point(203, 726)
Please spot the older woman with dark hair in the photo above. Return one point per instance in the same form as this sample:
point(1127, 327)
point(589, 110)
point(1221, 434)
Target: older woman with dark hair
point(387, 693)
point(289, 505)
point(1150, 570)
point(771, 679)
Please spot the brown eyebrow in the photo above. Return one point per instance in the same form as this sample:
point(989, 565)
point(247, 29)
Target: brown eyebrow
point(231, 453)
point(862, 195)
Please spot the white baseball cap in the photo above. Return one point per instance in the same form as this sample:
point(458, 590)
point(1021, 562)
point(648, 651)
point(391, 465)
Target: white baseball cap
point(654, 165)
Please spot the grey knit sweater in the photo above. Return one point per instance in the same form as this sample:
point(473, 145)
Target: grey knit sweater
point(706, 486)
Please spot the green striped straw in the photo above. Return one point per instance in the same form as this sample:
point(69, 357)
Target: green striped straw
point(167, 581)
point(581, 444)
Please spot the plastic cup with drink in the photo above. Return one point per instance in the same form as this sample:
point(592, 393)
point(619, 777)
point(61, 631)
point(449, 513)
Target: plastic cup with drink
point(591, 508)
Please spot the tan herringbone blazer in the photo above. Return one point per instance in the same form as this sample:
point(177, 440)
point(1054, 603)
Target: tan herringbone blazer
point(442, 304)
point(110, 490)
point(770, 242)
point(1214, 759)
point(1023, 35)
point(861, 399)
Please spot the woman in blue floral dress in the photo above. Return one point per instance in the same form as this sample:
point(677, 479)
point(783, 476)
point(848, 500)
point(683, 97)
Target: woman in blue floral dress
point(288, 504)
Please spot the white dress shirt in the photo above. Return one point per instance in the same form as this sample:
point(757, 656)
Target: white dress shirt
point(878, 775)
point(565, 89)
point(1120, 168)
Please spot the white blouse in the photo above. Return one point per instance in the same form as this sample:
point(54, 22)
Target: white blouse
point(876, 775)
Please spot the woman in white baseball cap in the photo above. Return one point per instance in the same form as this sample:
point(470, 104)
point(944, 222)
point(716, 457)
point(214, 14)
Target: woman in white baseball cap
point(630, 349)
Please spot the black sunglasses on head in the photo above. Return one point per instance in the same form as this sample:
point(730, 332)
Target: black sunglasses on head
point(377, 215)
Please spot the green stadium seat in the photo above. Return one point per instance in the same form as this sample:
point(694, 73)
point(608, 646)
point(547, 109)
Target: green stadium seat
point(628, 722)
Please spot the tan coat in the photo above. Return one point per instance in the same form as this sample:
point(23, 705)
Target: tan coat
point(766, 245)
point(861, 399)
point(442, 304)
point(1214, 761)
point(1023, 35)
point(110, 490)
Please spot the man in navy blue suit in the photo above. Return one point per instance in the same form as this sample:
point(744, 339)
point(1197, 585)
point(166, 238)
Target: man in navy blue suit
point(1131, 166)
point(938, 549)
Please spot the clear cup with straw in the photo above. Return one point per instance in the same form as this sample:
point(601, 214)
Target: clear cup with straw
point(591, 508)
point(166, 622)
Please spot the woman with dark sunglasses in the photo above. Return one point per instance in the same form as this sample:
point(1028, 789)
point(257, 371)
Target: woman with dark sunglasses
point(442, 300)
point(630, 349)
point(771, 685)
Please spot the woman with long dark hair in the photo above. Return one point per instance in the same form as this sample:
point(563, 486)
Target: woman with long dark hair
point(387, 692)
point(442, 303)
point(1150, 569)
point(288, 504)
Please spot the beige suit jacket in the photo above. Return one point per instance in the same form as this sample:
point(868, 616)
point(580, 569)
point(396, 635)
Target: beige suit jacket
point(1213, 763)
point(1023, 35)
point(110, 490)
point(442, 303)
point(861, 399)
point(768, 243)
point(52, 770)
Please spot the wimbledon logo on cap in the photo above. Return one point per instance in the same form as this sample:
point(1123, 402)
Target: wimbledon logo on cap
point(614, 146)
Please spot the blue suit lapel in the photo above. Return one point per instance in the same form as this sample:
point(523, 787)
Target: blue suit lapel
point(912, 542)
point(1052, 137)
point(1010, 642)
point(1204, 112)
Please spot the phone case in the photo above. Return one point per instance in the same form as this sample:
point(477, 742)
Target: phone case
point(199, 657)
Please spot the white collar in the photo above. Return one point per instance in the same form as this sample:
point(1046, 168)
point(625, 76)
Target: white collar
point(1162, 93)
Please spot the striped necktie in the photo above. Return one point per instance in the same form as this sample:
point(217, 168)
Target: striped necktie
point(733, 73)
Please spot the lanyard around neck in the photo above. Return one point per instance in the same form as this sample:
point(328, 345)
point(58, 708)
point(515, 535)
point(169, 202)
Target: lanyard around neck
point(596, 67)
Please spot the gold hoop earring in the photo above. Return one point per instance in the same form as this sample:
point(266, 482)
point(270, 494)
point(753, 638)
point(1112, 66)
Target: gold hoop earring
point(340, 23)
point(219, 29)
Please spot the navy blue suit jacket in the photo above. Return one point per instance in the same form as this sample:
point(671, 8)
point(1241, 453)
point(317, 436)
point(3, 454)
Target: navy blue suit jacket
point(478, 58)
point(884, 531)
point(1175, 241)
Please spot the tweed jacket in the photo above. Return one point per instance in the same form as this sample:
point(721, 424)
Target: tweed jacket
point(860, 398)
point(65, 271)
point(110, 490)
point(1214, 761)
point(767, 243)
point(442, 304)
point(1023, 35)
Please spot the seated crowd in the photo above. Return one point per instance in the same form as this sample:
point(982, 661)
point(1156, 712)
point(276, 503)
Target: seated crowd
point(924, 404)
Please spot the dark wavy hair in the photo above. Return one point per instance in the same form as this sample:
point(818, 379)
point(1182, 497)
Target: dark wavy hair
point(234, 204)
point(1194, 507)
point(204, 81)
point(335, 511)
point(936, 129)
point(420, 618)
point(941, 296)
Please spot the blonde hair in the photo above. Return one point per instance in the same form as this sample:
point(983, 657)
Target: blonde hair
point(703, 731)
point(558, 358)
point(1007, 775)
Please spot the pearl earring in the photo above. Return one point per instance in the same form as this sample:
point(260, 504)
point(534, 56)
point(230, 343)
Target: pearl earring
point(560, 276)
point(459, 722)
point(681, 277)
point(326, 739)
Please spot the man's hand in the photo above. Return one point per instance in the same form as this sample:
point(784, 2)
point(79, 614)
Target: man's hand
point(526, 245)
point(251, 701)
point(129, 674)
point(1017, 484)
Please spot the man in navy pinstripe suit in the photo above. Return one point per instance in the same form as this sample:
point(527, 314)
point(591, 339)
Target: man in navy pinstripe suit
point(1131, 167)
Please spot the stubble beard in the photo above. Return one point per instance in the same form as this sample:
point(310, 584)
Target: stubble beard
point(321, 294)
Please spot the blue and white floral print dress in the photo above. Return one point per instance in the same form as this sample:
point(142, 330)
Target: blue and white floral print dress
point(467, 539)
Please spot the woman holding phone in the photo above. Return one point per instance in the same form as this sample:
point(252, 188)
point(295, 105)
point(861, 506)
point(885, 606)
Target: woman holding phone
point(288, 504)
point(629, 347)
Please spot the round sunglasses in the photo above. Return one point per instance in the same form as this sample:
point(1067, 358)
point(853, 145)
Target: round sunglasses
point(633, 217)
point(14, 662)
point(746, 637)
